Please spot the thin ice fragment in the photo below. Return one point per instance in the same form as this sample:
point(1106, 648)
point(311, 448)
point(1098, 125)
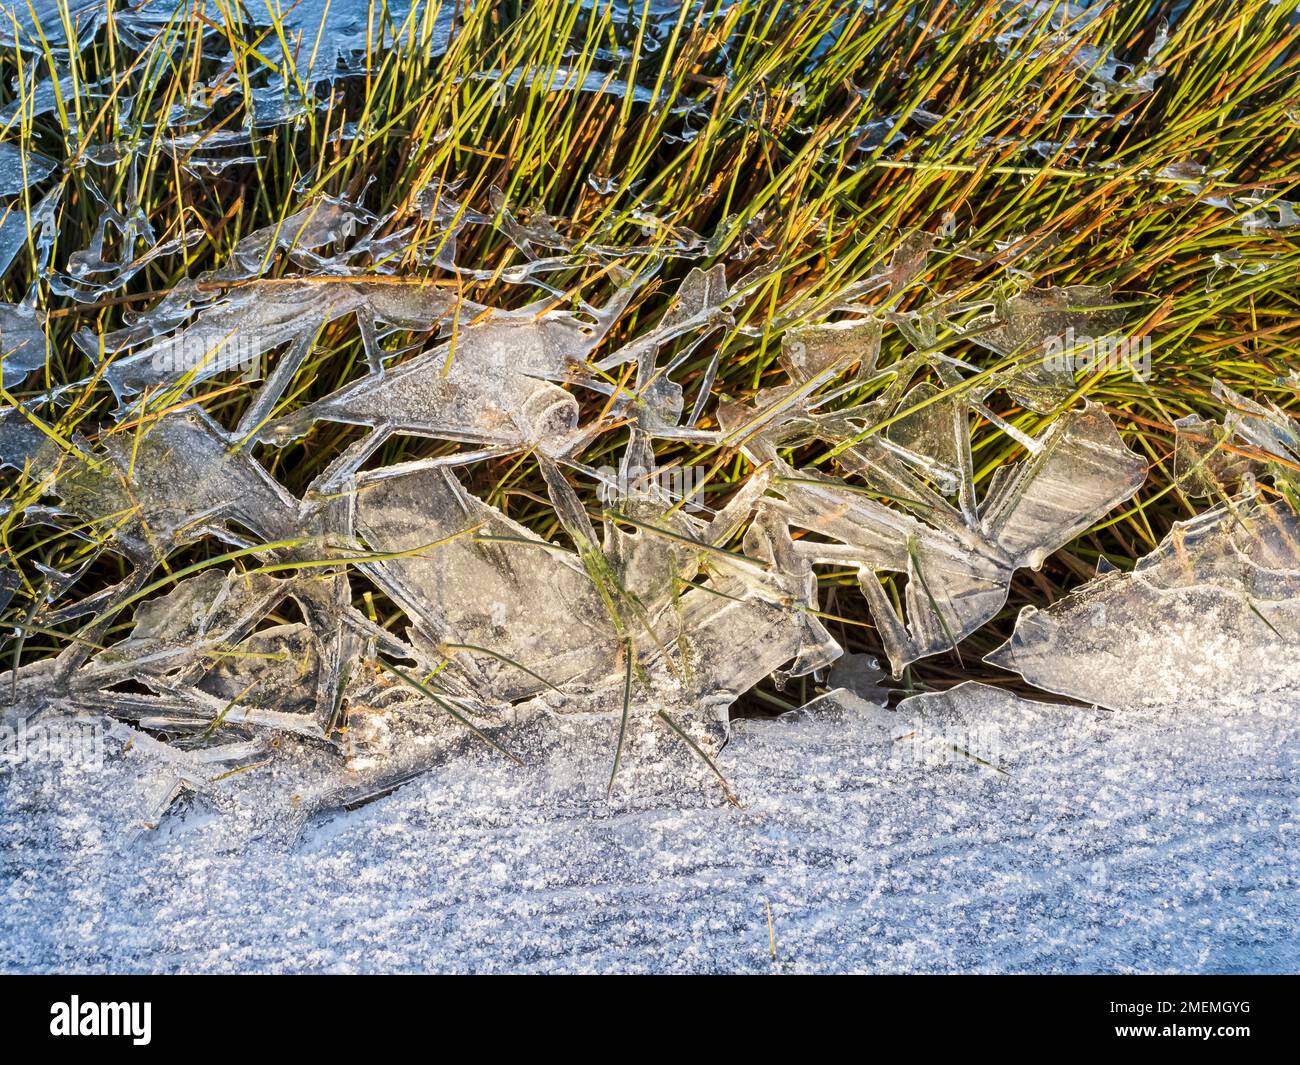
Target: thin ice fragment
point(95, 270)
point(18, 226)
point(1204, 466)
point(35, 25)
point(925, 433)
point(1043, 331)
point(23, 344)
point(980, 728)
point(516, 613)
point(957, 561)
point(1211, 616)
point(1080, 472)
point(810, 351)
point(324, 221)
point(493, 382)
point(21, 169)
point(1263, 426)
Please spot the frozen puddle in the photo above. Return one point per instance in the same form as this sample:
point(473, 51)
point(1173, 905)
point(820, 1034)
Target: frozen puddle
point(1060, 840)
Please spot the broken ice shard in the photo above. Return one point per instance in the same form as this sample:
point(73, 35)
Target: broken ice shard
point(1040, 329)
point(36, 25)
point(1262, 426)
point(515, 612)
point(494, 382)
point(1210, 618)
point(957, 561)
point(21, 169)
point(1205, 466)
point(23, 343)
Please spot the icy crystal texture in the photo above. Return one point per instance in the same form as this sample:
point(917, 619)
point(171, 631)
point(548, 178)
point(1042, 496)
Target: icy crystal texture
point(647, 627)
point(1012, 836)
point(609, 650)
point(1213, 614)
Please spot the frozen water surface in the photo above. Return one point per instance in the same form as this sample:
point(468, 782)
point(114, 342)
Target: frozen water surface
point(1062, 840)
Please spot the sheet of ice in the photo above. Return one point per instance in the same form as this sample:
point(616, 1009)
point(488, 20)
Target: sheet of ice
point(1261, 426)
point(23, 343)
point(35, 24)
point(958, 560)
point(1211, 616)
point(1062, 840)
point(1040, 328)
point(21, 169)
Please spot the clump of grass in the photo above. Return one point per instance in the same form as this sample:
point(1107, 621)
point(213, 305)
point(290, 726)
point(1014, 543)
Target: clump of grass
point(803, 142)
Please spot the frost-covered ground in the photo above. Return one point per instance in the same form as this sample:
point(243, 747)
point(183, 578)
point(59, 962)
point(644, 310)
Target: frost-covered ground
point(1105, 842)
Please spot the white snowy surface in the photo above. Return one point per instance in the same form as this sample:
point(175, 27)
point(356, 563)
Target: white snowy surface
point(1139, 842)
